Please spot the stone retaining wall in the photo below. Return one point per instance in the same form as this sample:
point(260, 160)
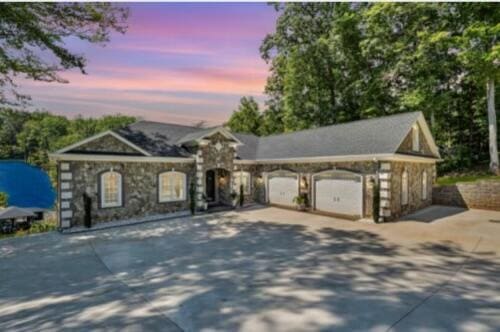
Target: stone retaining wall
point(475, 195)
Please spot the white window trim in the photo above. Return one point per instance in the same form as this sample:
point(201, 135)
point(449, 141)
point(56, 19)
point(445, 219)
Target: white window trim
point(120, 192)
point(424, 185)
point(405, 188)
point(415, 138)
point(240, 174)
point(160, 186)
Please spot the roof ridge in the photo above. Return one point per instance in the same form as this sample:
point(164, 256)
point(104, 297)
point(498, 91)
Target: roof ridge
point(342, 124)
point(165, 123)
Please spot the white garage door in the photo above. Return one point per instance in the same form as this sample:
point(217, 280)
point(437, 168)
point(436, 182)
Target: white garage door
point(283, 188)
point(339, 192)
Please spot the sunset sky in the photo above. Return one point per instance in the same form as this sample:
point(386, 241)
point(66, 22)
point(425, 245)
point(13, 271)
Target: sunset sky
point(177, 63)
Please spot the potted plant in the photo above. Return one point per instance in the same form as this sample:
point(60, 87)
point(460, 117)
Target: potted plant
point(301, 202)
point(234, 198)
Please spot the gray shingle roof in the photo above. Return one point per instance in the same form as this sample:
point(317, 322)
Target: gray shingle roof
point(373, 136)
point(159, 139)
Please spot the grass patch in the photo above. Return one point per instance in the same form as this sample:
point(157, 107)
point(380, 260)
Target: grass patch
point(36, 228)
point(453, 179)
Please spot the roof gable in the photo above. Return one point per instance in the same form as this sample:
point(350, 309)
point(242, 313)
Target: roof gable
point(89, 144)
point(364, 137)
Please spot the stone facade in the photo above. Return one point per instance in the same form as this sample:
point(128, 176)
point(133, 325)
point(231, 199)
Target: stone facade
point(407, 145)
point(415, 198)
point(217, 153)
point(139, 191)
point(107, 144)
point(476, 195)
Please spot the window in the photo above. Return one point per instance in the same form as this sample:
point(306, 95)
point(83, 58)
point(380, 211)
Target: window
point(404, 188)
point(239, 179)
point(172, 187)
point(111, 189)
point(424, 185)
point(415, 138)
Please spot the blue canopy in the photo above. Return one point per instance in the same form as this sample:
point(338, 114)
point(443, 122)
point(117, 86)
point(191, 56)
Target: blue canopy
point(26, 185)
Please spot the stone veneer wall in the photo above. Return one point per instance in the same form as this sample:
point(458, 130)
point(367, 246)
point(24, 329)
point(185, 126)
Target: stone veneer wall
point(217, 153)
point(139, 195)
point(415, 201)
point(477, 195)
point(368, 169)
point(407, 145)
point(108, 144)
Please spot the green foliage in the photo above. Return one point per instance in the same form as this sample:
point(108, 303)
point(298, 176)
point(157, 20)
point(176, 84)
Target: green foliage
point(31, 136)
point(337, 62)
point(34, 36)
point(192, 196)
point(301, 200)
point(376, 202)
point(454, 179)
point(4, 199)
point(36, 227)
point(242, 195)
point(247, 118)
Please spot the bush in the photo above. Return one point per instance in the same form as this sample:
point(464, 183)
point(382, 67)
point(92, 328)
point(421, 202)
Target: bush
point(4, 199)
point(376, 201)
point(242, 195)
point(192, 196)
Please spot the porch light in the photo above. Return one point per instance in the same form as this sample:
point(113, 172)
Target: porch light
point(303, 182)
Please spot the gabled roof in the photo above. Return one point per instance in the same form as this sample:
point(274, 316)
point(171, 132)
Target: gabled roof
point(381, 135)
point(376, 136)
point(204, 133)
point(159, 139)
point(97, 136)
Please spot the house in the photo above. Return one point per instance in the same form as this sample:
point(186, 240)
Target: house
point(147, 169)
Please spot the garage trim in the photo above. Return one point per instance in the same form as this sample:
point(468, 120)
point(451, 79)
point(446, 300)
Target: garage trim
point(346, 173)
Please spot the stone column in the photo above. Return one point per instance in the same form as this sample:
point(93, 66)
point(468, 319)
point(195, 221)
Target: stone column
point(200, 185)
point(385, 191)
point(65, 195)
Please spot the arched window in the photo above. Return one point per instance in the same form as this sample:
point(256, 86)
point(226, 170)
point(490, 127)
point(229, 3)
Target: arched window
point(242, 178)
point(172, 187)
point(415, 134)
point(424, 185)
point(111, 189)
point(404, 188)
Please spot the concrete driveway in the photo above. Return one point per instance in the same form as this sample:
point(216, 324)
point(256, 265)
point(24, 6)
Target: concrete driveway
point(264, 269)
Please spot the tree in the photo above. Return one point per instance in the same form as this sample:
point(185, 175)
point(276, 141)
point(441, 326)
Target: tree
point(480, 54)
point(316, 64)
point(4, 200)
point(33, 36)
point(247, 119)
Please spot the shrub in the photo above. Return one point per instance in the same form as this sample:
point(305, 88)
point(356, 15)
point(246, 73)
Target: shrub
point(4, 199)
point(192, 196)
point(242, 195)
point(376, 201)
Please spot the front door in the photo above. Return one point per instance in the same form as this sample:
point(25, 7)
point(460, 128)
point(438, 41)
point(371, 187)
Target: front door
point(210, 185)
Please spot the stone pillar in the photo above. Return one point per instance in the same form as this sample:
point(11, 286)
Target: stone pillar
point(200, 185)
point(385, 191)
point(65, 195)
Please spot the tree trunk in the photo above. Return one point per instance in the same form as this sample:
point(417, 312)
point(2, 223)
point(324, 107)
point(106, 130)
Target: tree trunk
point(492, 126)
